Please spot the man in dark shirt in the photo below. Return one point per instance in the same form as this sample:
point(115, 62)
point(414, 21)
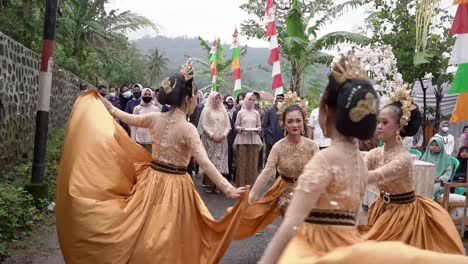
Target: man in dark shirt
point(136, 100)
point(271, 125)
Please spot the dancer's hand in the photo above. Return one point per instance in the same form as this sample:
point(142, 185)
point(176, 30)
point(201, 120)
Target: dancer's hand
point(106, 102)
point(235, 193)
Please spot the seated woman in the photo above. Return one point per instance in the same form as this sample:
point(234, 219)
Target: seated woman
point(435, 154)
point(460, 174)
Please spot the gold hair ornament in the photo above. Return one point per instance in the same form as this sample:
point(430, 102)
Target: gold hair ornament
point(347, 68)
point(166, 85)
point(368, 105)
point(290, 99)
point(403, 96)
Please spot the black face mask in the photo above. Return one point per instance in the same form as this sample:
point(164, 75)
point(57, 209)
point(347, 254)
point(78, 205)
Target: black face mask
point(136, 95)
point(147, 99)
point(103, 94)
point(230, 106)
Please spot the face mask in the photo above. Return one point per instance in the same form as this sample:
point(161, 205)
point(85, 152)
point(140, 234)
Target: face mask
point(127, 94)
point(279, 104)
point(230, 106)
point(137, 95)
point(103, 94)
point(112, 94)
point(241, 102)
point(147, 99)
point(256, 103)
point(445, 129)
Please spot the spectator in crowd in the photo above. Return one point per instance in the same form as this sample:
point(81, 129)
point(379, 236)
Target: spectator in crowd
point(414, 142)
point(83, 87)
point(463, 139)
point(435, 154)
point(124, 96)
point(447, 138)
point(141, 135)
point(112, 96)
point(102, 89)
point(460, 174)
point(136, 100)
point(271, 128)
point(315, 132)
point(155, 99)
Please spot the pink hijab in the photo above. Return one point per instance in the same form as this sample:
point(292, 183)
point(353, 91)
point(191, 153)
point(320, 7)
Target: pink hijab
point(247, 105)
point(142, 103)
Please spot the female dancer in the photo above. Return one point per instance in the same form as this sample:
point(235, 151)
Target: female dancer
point(214, 127)
point(288, 156)
point(136, 208)
point(322, 213)
point(400, 214)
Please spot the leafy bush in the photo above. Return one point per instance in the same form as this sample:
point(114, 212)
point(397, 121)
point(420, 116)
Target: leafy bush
point(18, 214)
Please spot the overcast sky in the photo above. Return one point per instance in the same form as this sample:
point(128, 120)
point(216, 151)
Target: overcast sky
point(216, 18)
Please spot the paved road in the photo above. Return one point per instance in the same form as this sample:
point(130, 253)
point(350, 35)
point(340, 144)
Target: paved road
point(246, 251)
point(44, 248)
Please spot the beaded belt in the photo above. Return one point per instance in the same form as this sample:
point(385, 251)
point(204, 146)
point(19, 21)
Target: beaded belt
point(163, 167)
point(290, 180)
point(332, 217)
point(403, 198)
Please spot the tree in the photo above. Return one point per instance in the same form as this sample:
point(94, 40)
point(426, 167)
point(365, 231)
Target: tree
point(157, 64)
point(297, 38)
point(394, 23)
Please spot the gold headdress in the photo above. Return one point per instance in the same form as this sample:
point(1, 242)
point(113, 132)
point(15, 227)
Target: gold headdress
point(166, 85)
point(403, 96)
point(187, 70)
point(368, 105)
point(291, 98)
point(347, 68)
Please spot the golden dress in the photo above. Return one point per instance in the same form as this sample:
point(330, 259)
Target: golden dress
point(399, 215)
point(118, 204)
point(322, 213)
point(372, 252)
point(289, 159)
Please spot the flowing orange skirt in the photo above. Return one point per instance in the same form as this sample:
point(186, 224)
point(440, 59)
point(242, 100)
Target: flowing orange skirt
point(422, 224)
point(112, 207)
point(314, 240)
point(384, 253)
point(263, 211)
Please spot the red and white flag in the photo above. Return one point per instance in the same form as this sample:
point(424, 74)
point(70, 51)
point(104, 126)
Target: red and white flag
point(274, 59)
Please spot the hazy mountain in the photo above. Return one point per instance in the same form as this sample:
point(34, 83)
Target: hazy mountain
point(256, 73)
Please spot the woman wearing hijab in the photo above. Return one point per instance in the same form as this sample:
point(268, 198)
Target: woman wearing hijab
point(141, 135)
point(463, 139)
point(247, 142)
point(448, 139)
point(435, 154)
point(214, 127)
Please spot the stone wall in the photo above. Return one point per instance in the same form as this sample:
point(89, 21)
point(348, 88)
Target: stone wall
point(19, 81)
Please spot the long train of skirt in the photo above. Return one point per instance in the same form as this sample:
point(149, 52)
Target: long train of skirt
point(423, 224)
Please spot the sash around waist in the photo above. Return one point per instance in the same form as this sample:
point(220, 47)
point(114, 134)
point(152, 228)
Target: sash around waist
point(332, 217)
point(169, 168)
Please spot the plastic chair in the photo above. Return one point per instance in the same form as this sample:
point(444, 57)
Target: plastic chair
point(416, 152)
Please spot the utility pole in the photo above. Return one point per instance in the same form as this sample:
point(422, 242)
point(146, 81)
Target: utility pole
point(37, 187)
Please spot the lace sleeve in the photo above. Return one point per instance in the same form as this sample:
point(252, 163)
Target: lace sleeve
point(203, 123)
point(239, 116)
point(267, 173)
point(396, 168)
point(199, 153)
point(295, 215)
point(134, 120)
point(316, 176)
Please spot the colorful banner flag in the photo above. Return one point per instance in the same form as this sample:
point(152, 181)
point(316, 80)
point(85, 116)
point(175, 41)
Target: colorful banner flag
point(214, 65)
point(460, 57)
point(274, 58)
point(235, 66)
